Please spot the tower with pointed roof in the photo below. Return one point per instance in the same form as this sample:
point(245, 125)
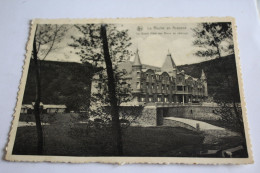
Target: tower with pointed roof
point(204, 83)
point(169, 66)
point(136, 75)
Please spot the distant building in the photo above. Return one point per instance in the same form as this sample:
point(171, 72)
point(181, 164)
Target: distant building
point(153, 85)
point(26, 109)
point(46, 108)
point(50, 109)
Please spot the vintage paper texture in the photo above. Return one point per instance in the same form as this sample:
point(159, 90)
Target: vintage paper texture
point(156, 29)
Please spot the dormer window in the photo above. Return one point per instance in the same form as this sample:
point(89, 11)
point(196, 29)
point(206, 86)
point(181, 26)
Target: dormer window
point(138, 74)
point(138, 85)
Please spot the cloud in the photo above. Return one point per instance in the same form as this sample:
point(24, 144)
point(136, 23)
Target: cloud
point(154, 48)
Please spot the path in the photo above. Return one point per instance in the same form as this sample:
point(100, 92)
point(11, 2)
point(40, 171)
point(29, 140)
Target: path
point(202, 125)
point(212, 134)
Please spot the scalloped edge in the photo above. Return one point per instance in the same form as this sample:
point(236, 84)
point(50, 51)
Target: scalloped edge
point(126, 160)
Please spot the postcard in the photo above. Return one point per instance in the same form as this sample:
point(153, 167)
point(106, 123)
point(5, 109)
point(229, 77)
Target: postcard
point(121, 91)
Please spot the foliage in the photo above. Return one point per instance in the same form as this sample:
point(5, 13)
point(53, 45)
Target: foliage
point(47, 36)
point(71, 85)
point(213, 39)
point(229, 118)
point(89, 47)
point(215, 74)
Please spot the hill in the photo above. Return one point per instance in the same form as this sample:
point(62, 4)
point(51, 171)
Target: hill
point(62, 83)
point(221, 75)
point(69, 83)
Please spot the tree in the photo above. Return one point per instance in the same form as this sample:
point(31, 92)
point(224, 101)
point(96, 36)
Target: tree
point(105, 47)
point(213, 39)
point(44, 42)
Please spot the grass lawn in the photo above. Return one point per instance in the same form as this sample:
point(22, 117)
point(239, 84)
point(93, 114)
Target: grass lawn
point(66, 137)
point(82, 140)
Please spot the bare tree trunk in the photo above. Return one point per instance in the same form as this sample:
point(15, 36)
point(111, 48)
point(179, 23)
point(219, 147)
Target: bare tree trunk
point(37, 101)
point(112, 93)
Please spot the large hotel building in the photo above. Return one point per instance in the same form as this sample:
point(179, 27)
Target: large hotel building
point(155, 85)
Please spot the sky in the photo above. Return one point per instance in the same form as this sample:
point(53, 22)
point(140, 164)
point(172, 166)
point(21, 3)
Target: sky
point(153, 41)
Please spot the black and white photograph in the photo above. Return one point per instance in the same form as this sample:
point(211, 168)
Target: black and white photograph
point(136, 90)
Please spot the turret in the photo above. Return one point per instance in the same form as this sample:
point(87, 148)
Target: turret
point(203, 76)
point(136, 73)
point(204, 83)
point(137, 61)
point(169, 66)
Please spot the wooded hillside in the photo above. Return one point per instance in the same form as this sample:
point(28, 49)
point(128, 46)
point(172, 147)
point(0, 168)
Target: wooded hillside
point(69, 83)
point(62, 83)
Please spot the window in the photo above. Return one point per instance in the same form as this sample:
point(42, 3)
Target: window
point(150, 99)
point(99, 86)
point(159, 99)
point(138, 74)
point(147, 85)
point(167, 87)
point(158, 86)
point(162, 87)
point(179, 88)
point(138, 85)
point(143, 99)
point(152, 86)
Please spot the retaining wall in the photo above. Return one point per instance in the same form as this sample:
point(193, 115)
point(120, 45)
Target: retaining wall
point(193, 112)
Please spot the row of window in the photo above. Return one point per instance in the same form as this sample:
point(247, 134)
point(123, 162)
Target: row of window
point(163, 87)
point(174, 99)
point(157, 77)
point(162, 78)
point(140, 85)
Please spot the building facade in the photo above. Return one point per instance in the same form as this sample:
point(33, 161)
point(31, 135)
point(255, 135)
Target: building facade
point(45, 108)
point(155, 85)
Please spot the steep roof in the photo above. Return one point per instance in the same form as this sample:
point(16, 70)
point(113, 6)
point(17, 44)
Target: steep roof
point(137, 61)
point(203, 76)
point(169, 64)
